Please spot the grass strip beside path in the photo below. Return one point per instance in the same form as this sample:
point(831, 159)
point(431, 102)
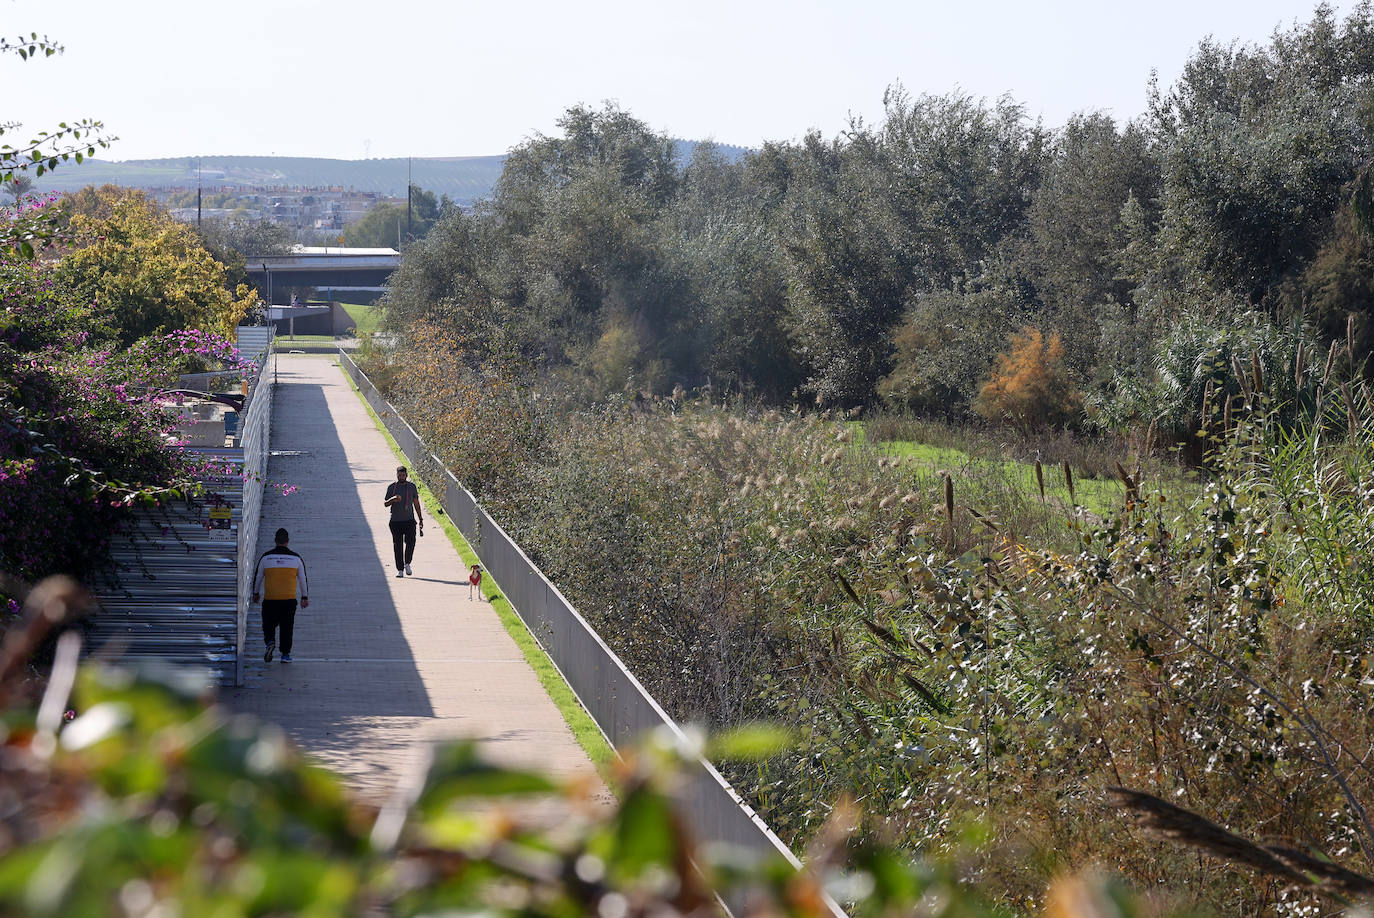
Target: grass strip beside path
point(584, 729)
point(286, 342)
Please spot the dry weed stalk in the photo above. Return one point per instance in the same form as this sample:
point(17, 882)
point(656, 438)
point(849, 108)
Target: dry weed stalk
point(1163, 820)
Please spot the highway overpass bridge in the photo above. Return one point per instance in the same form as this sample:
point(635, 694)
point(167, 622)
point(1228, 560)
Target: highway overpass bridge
point(331, 270)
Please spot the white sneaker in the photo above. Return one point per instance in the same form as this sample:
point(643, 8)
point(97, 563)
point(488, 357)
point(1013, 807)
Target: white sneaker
point(400, 573)
point(409, 572)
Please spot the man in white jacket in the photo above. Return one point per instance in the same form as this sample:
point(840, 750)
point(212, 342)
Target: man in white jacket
point(281, 572)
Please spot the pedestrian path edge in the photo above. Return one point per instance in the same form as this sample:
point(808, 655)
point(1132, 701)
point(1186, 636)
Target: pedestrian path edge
point(583, 727)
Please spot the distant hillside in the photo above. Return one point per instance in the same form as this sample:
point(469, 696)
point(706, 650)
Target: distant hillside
point(462, 178)
point(465, 179)
point(685, 148)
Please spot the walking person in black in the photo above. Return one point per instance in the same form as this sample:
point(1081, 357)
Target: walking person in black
point(280, 572)
point(404, 501)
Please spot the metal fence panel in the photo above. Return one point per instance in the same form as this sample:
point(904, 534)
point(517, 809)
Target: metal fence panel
point(255, 439)
point(606, 688)
point(254, 342)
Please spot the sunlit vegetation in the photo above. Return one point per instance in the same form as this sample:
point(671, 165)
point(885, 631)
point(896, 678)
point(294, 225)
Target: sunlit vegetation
point(367, 317)
point(1101, 524)
point(964, 643)
point(1099, 545)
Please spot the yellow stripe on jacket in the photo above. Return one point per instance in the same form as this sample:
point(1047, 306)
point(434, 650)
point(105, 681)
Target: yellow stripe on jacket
point(280, 572)
point(281, 583)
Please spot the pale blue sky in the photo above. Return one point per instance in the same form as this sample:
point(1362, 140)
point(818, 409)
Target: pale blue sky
point(350, 78)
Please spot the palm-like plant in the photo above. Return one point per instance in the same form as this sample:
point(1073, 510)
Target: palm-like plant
point(1208, 370)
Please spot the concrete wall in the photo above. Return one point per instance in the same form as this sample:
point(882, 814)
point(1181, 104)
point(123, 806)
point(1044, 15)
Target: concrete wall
point(335, 322)
point(342, 322)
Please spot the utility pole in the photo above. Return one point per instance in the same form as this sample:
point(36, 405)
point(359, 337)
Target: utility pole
point(409, 195)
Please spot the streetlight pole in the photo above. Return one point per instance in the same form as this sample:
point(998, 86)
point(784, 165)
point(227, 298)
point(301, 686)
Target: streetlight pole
point(268, 271)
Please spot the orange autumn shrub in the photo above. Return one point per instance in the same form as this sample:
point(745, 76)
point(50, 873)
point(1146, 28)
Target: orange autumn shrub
point(1030, 387)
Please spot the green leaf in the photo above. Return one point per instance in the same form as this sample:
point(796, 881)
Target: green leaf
point(458, 772)
point(750, 743)
point(645, 832)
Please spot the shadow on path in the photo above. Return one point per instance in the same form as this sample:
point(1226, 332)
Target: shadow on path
point(327, 709)
point(383, 665)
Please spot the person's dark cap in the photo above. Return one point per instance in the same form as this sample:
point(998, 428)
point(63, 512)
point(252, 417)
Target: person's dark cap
point(282, 537)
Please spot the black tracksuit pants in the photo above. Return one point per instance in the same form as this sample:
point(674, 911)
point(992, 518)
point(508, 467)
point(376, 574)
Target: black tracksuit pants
point(279, 613)
point(403, 541)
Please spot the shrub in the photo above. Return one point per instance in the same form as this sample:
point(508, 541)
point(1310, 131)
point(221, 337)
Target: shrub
point(150, 272)
point(950, 649)
point(476, 409)
point(1206, 367)
point(82, 437)
point(1211, 654)
point(1030, 386)
point(943, 349)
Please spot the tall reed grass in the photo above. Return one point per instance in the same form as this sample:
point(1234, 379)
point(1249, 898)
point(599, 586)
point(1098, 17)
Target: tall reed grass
point(973, 646)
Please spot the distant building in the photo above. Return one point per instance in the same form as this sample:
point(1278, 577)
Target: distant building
point(320, 209)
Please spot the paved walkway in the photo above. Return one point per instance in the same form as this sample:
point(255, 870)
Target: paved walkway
point(382, 665)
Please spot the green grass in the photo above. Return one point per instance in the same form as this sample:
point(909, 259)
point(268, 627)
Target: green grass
point(584, 729)
point(288, 341)
point(367, 317)
point(940, 457)
point(1098, 495)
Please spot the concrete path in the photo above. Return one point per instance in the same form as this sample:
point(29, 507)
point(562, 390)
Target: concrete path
point(382, 665)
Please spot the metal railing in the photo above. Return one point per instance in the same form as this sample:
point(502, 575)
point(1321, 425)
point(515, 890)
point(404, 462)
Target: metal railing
point(255, 436)
point(605, 687)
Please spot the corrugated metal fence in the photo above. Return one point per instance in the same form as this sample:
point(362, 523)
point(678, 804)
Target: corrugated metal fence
point(609, 692)
point(172, 598)
point(179, 594)
point(255, 435)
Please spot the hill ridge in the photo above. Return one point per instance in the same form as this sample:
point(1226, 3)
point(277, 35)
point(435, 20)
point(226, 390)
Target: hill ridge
point(465, 179)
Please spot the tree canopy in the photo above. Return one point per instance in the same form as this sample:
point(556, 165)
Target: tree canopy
point(892, 262)
point(149, 272)
point(396, 225)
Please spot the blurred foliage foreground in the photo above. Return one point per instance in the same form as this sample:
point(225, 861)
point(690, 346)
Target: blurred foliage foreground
point(133, 794)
